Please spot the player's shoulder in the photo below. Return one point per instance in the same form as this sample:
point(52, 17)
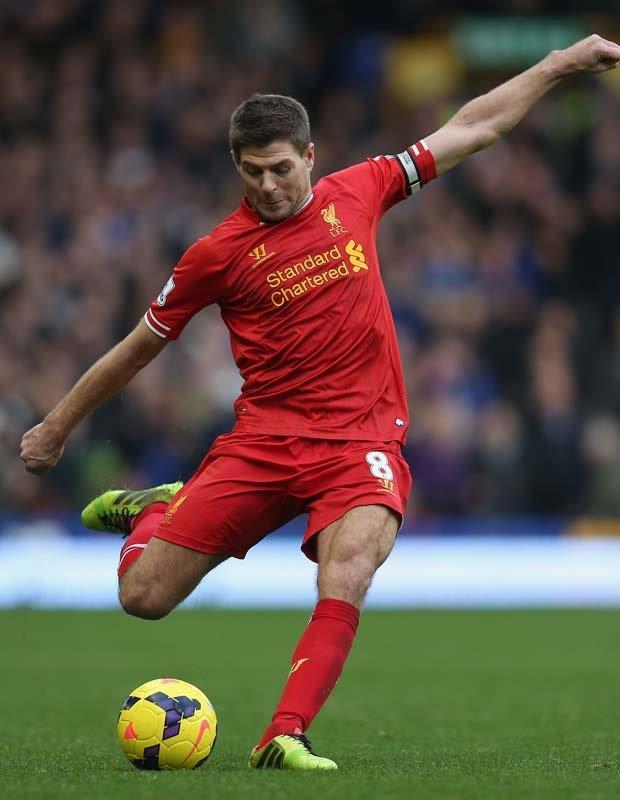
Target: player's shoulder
point(362, 172)
point(372, 185)
point(217, 244)
point(360, 185)
point(225, 235)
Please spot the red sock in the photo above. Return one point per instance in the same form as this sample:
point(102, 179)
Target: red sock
point(144, 526)
point(315, 667)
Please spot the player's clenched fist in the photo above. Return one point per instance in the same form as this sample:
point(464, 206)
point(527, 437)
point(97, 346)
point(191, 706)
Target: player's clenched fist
point(593, 54)
point(41, 448)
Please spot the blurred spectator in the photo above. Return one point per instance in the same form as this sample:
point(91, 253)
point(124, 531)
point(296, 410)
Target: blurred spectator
point(502, 480)
point(442, 458)
point(601, 443)
point(553, 462)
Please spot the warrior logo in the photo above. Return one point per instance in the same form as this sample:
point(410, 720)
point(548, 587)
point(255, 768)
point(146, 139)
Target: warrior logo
point(297, 665)
point(260, 254)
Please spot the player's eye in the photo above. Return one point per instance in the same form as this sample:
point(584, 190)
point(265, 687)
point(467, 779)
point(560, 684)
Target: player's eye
point(282, 170)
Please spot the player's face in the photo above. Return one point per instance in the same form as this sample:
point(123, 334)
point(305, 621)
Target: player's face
point(277, 178)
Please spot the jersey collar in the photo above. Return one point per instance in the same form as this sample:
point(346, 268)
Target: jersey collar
point(251, 213)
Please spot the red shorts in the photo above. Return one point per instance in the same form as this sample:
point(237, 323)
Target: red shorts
point(250, 484)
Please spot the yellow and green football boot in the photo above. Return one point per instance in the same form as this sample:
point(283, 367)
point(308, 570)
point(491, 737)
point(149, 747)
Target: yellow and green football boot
point(113, 511)
point(288, 751)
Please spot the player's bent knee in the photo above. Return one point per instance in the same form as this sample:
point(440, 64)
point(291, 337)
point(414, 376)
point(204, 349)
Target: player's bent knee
point(139, 600)
point(347, 579)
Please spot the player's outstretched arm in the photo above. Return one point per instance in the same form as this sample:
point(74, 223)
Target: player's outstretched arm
point(481, 122)
point(42, 446)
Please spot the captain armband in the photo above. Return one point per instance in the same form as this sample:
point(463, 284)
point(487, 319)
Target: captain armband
point(418, 166)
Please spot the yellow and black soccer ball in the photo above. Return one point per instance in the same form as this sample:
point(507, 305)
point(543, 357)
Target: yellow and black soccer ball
point(167, 724)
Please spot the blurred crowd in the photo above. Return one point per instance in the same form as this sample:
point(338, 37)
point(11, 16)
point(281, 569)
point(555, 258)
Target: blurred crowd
point(503, 275)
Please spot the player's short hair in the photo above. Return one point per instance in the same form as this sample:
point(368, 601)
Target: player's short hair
point(266, 118)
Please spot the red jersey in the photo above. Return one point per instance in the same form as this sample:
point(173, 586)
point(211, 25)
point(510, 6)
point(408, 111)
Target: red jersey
point(310, 326)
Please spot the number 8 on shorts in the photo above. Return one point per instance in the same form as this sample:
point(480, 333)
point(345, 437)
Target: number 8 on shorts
point(379, 465)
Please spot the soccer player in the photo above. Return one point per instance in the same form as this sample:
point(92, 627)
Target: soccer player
point(322, 414)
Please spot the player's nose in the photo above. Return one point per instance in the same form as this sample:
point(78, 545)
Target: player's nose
point(268, 184)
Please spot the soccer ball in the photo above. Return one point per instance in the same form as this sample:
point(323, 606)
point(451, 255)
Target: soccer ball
point(167, 724)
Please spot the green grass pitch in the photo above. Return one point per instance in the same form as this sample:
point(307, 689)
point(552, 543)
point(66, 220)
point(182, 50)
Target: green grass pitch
point(441, 705)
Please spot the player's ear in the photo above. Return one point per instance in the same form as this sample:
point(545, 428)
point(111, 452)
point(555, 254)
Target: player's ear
point(309, 156)
point(235, 162)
